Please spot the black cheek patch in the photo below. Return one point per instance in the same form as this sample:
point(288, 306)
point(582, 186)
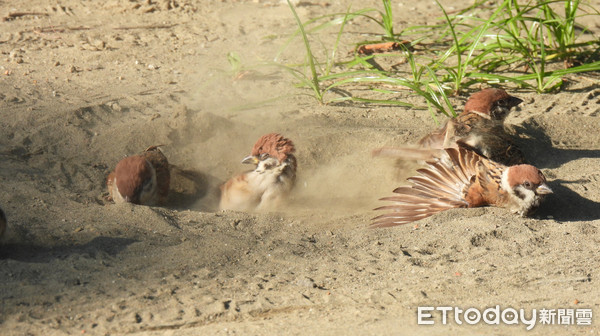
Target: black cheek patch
point(519, 193)
point(498, 112)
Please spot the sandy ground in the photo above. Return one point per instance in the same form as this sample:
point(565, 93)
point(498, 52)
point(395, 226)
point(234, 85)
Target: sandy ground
point(85, 83)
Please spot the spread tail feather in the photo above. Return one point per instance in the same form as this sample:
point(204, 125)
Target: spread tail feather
point(440, 186)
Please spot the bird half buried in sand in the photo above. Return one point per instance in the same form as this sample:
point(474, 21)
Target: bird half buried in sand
point(141, 179)
point(268, 185)
point(463, 179)
point(480, 128)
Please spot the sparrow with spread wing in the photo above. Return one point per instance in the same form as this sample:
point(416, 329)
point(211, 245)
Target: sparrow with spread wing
point(479, 128)
point(141, 179)
point(267, 186)
point(463, 179)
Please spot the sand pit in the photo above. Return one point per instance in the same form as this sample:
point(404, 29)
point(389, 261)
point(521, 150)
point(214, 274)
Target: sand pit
point(85, 83)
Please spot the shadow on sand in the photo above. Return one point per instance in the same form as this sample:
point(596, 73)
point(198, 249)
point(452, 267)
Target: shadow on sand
point(42, 254)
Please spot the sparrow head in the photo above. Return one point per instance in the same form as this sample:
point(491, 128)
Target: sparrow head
point(266, 163)
point(134, 179)
point(271, 145)
point(492, 103)
point(527, 186)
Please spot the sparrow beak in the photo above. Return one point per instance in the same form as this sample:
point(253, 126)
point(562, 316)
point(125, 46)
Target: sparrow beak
point(250, 159)
point(514, 101)
point(543, 189)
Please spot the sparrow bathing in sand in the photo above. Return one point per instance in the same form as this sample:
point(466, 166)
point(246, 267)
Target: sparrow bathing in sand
point(268, 185)
point(463, 179)
point(141, 179)
point(480, 128)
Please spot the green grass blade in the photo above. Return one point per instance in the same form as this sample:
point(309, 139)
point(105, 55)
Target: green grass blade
point(311, 59)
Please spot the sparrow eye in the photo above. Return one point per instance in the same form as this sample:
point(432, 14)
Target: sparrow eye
point(263, 156)
point(527, 184)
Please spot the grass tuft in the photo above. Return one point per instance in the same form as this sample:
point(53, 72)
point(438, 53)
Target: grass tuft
point(528, 45)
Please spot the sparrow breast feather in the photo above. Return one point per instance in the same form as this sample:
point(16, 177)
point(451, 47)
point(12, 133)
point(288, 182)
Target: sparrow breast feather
point(268, 185)
point(464, 179)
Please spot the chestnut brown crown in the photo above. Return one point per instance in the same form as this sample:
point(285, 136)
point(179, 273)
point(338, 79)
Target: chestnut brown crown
point(525, 175)
point(131, 173)
point(494, 102)
point(275, 145)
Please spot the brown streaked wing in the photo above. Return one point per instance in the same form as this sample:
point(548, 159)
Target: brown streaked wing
point(434, 139)
point(440, 186)
point(444, 177)
point(464, 162)
point(410, 208)
point(434, 191)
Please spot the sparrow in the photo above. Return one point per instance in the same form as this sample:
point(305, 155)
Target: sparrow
point(268, 185)
point(479, 128)
point(2, 223)
point(464, 179)
point(141, 179)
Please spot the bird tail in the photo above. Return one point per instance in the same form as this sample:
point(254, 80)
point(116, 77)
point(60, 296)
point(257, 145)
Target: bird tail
point(438, 187)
